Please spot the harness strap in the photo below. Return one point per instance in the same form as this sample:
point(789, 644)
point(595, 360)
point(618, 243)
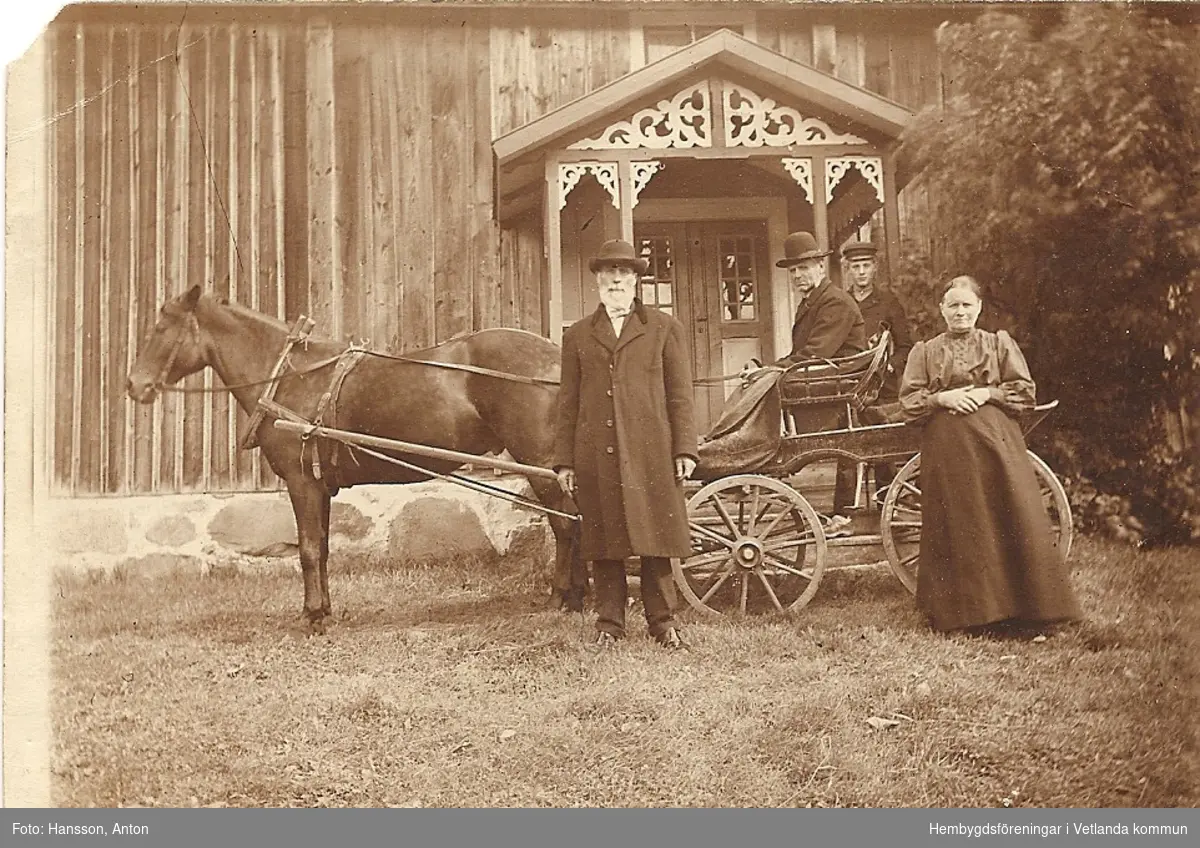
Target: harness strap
point(473, 369)
point(299, 332)
point(328, 403)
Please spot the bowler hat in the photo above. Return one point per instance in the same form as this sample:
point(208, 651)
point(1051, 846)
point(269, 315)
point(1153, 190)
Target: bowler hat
point(618, 252)
point(859, 248)
point(798, 247)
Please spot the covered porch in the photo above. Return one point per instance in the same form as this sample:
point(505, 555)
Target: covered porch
point(705, 160)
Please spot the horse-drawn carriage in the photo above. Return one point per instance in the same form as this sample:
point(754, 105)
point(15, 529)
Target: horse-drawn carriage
point(759, 542)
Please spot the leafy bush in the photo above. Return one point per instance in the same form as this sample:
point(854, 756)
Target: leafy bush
point(1066, 166)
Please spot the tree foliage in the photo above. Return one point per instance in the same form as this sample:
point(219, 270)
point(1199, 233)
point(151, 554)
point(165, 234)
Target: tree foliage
point(1065, 168)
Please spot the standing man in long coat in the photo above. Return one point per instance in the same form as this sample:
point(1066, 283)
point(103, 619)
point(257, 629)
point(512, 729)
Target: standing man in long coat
point(626, 440)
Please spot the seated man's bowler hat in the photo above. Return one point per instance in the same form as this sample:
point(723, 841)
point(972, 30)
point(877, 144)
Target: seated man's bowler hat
point(618, 252)
point(799, 247)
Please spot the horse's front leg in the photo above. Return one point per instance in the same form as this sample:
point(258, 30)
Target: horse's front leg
point(570, 572)
point(326, 603)
point(310, 503)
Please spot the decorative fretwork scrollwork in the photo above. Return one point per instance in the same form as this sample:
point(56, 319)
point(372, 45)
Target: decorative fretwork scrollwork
point(801, 171)
point(871, 168)
point(685, 120)
point(755, 121)
point(570, 173)
point(641, 172)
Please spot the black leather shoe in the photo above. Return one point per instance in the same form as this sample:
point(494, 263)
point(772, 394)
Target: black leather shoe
point(671, 639)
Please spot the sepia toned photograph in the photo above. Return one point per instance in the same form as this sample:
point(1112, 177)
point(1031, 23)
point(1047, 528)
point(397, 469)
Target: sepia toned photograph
point(603, 404)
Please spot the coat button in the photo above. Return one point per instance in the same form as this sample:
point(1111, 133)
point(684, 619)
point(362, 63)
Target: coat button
point(609, 422)
point(608, 450)
point(609, 392)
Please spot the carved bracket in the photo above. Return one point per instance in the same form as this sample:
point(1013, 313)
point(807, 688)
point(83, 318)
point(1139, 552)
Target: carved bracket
point(641, 172)
point(684, 120)
point(570, 173)
point(755, 121)
point(801, 171)
point(871, 168)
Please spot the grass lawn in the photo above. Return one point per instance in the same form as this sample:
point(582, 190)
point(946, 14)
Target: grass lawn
point(454, 686)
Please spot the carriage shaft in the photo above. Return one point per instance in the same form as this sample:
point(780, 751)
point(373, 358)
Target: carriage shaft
point(408, 447)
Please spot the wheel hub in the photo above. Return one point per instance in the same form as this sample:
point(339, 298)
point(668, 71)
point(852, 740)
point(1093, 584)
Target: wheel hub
point(748, 553)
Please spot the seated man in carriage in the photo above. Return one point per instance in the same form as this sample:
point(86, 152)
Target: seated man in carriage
point(828, 322)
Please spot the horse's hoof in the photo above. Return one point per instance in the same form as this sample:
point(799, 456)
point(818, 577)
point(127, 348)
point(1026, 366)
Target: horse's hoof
point(316, 626)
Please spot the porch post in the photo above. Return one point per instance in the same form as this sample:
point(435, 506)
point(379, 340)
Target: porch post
point(820, 201)
point(625, 193)
point(553, 251)
point(891, 215)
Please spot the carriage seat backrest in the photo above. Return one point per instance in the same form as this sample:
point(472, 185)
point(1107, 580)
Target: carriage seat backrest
point(852, 379)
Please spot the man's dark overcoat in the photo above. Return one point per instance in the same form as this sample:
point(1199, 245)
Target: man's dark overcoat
point(828, 325)
point(625, 411)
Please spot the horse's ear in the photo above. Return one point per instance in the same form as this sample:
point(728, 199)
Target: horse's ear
point(192, 297)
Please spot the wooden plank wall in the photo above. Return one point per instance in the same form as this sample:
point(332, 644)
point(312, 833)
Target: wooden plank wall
point(543, 61)
point(165, 152)
point(331, 163)
point(538, 63)
point(296, 165)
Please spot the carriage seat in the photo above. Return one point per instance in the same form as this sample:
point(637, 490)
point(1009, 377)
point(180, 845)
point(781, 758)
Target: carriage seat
point(822, 394)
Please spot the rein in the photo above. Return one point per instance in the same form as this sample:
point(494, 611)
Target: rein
point(473, 369)
point(317, 366)
point(299, 334)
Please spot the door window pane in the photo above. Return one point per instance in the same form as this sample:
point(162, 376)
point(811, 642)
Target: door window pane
point(658, 283)
point(739, 297)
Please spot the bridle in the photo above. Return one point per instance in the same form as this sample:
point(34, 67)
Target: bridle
point(191, 328)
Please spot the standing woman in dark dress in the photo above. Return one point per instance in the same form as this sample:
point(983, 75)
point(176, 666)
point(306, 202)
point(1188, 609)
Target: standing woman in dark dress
point(987, 555)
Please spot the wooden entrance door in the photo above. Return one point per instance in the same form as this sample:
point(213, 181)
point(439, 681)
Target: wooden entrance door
point(713, 276)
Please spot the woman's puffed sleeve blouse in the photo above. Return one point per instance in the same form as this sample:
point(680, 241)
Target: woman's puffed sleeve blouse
point(979, 359)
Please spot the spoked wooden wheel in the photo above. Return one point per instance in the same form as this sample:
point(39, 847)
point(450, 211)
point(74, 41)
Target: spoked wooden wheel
point(758, 547)
point(900, 519)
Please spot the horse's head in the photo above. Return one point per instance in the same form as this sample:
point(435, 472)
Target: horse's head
point(173, 350)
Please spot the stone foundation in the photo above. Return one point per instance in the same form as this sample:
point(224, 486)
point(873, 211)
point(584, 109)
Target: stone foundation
point(211, 533)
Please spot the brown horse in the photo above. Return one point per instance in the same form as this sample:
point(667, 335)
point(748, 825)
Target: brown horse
point(382, 396)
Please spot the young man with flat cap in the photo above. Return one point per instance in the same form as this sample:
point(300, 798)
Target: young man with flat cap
point(626, 441)
point(879, 307)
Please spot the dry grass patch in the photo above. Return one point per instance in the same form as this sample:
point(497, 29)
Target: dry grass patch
point(452, 685)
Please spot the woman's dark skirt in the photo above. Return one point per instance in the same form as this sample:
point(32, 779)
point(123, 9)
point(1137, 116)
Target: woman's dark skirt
point(987, 553)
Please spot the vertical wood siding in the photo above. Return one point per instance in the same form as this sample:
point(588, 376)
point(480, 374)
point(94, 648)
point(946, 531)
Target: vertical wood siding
point(167, 157)
point(334, 164)
point(297, 166)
